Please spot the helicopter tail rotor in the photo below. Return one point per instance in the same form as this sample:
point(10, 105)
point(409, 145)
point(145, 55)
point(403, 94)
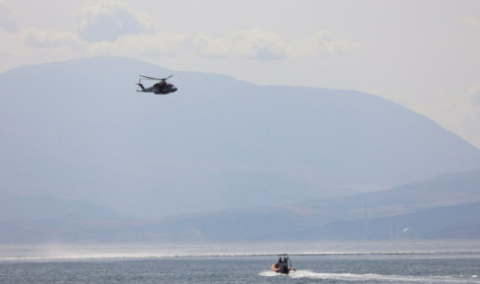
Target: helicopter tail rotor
point(140, 85)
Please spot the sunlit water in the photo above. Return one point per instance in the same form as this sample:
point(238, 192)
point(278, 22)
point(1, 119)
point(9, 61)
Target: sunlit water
point(369, 262)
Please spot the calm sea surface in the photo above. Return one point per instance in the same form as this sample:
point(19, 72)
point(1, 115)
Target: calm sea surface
point(328, 262)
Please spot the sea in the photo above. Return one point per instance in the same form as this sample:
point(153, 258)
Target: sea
point(406, 261)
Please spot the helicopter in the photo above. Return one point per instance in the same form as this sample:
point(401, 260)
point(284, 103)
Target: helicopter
point(160, 88)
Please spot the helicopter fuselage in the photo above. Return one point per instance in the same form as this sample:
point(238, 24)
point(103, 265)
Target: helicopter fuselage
point(160, 88)
point(163, 89)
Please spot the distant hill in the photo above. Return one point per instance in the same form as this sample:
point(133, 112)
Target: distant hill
point(452, 222)
point(428, 209)
point(78, 130)
point(16, 206)
point(442, 190)
point(320, 219)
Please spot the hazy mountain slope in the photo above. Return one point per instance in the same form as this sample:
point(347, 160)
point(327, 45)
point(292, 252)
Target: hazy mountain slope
point(452, 222)
point(338, 218)
point(321, 219)
point(15, 206)
point(443, 190)
point(329, 219)
point(78, 129)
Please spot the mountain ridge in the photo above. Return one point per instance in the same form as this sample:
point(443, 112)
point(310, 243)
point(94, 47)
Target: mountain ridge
point(78, 130)
point(16, 206)
point(335, 218)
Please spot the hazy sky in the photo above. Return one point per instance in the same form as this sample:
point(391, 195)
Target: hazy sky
point(424, 55)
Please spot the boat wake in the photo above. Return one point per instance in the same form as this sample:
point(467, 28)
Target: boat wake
point(375, 277)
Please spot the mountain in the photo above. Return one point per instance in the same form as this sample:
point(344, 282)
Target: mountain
point(442, 190)
point(16, 206)
point(447, 206)
point(460, 221)
point(78, 130)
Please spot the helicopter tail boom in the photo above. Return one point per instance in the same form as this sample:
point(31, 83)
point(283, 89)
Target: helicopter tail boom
point(142, 87)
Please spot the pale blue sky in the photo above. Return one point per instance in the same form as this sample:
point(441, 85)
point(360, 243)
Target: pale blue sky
point(424, 55)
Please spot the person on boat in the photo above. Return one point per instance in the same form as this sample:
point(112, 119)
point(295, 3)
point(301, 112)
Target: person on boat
point(275, 267)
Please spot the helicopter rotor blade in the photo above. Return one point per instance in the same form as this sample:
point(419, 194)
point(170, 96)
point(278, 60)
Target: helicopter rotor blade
point(150, 78)
point(158, 79)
